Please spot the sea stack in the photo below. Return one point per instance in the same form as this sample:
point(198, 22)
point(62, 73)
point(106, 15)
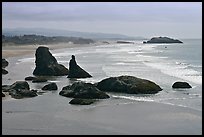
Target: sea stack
point(47, 65)
point(75, 71)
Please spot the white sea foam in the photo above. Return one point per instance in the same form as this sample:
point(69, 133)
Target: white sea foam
point(25, 60)
point(178, 70)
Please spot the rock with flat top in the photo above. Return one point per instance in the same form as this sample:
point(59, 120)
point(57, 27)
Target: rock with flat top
point(81, 101)
point(162, 40)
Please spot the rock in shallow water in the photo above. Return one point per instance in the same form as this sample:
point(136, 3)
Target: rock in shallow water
point(4, 71)
point(181, 85)
point(80, 101)
point(4, 63)
point(19, 89)
point(128, 84)
point(75, 71)
point(47, 65)
point(83, 90)
point(51, 86)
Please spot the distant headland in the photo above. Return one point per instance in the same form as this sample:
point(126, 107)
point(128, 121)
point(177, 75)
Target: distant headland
point(162, 40)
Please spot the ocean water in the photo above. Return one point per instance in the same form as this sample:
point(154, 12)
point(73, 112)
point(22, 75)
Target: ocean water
point(163, 64)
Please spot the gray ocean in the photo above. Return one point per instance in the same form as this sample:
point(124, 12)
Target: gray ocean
point(164, 64)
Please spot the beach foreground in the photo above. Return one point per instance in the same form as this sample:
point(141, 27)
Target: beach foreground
point(119, 118)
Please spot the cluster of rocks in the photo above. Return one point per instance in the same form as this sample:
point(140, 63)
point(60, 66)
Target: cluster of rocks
point(47, 65)
point(19, 89)
point(123, 84)
point(81, 92)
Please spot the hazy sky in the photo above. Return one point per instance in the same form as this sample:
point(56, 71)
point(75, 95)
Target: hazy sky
point(173, 19)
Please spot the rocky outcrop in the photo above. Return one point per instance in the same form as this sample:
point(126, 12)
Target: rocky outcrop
point(162, 40)
point(128, 84)
point(30, 78)
point(19, 89)
point(81, 101)
point(47, 65)
point(75, 71)
point(83, 90)
point(181, 85)
point(4, 64)
point(2, 95)
point(39, 80)
point(4, 71)
point(51, 86)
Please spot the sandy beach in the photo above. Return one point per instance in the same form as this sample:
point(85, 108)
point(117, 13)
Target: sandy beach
point(19, 50)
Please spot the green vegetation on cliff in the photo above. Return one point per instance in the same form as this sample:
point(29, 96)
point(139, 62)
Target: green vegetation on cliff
point(39, 39)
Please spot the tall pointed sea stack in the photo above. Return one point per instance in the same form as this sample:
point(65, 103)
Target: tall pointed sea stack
point(47, 65)
point(75, 71)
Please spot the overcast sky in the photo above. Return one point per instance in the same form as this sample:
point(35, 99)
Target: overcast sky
point(147, 19)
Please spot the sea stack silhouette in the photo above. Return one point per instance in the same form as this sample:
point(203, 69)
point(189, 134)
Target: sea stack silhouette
point(47, 65)
point(75, 71)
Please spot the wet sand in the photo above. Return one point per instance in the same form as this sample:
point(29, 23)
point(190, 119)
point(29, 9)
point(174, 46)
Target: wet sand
point(136, 118)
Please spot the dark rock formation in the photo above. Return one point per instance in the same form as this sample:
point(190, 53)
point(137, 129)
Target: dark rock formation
point(2, 95)
point(51, 86)
point(75, 71)
point(4, 71)
point(181, 85)
point(38, 80)
point(83, 90)
point(125, 42)
point(128, 84)
point(80, 101)
point(19, 89)
point(4, 63)
point(163, 40)
point(23, 93)
point(30, 78)
point(35, 79)
point(47, 65)
point(20, 85)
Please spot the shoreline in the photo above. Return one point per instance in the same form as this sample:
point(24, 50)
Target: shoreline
point(15, 51)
